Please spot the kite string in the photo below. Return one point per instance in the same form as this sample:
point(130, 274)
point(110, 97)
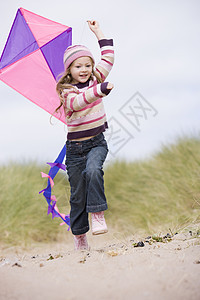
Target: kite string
point(82, 33)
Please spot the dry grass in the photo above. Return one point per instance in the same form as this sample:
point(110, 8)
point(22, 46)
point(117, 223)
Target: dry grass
point(144, 196)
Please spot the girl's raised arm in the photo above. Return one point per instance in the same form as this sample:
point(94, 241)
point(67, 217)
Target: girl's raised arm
point(107, 52)
point(95, 28)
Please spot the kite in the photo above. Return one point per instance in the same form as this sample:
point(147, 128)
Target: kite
point(30, 63)
point(32, 59)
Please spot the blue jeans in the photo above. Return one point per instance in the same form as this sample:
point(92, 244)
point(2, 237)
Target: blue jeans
point(84, 162)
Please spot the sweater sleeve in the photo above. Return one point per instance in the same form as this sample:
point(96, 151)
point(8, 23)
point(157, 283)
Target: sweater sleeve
point(75, 102)
point(107, 58)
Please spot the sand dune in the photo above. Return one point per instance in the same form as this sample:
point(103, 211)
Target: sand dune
point(112, 269)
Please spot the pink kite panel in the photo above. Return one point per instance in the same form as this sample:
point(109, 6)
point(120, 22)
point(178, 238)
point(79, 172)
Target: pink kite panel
point(32, 78)
point(44, 30)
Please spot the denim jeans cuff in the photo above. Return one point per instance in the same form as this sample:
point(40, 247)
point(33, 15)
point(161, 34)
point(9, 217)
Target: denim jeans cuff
point(80, 231)
point(96, 208)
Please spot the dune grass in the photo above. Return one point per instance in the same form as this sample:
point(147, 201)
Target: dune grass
point(23, 214)
point(157, 194)
point(143, 196)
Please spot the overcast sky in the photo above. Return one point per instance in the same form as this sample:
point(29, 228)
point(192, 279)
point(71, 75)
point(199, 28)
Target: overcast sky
point(156, 77)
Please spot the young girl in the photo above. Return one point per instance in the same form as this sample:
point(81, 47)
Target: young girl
point(81, 90)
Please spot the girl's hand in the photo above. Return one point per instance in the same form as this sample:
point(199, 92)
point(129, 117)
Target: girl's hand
point(94, 27)
point(110, 86)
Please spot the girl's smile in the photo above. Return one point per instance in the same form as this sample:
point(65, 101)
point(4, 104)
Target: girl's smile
point(81, 69)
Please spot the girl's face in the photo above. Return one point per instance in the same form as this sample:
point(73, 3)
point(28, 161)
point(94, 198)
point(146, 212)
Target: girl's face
point(81, 69)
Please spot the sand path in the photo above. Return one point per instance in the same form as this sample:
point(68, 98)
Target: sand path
point(113, 269)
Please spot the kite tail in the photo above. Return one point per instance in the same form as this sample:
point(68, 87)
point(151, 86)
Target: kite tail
point(51, 199)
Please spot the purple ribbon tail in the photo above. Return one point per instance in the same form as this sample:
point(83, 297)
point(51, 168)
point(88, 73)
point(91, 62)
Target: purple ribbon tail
point(55, 166)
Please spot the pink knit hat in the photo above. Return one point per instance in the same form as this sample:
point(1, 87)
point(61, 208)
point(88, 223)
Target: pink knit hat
point(74, 52)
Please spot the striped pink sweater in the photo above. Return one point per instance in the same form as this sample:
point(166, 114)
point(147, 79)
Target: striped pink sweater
point(84, 109)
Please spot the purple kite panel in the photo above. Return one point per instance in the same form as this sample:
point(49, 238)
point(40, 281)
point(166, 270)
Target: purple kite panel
point(20, 42)
point(54, 50)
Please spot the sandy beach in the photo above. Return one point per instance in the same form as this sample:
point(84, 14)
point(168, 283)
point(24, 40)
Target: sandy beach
point(112, 269)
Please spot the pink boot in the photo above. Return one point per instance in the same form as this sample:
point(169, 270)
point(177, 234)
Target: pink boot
point(80, 242)
point(98, 223)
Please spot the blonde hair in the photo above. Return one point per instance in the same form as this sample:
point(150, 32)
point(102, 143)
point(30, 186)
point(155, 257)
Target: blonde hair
point(65, 83)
